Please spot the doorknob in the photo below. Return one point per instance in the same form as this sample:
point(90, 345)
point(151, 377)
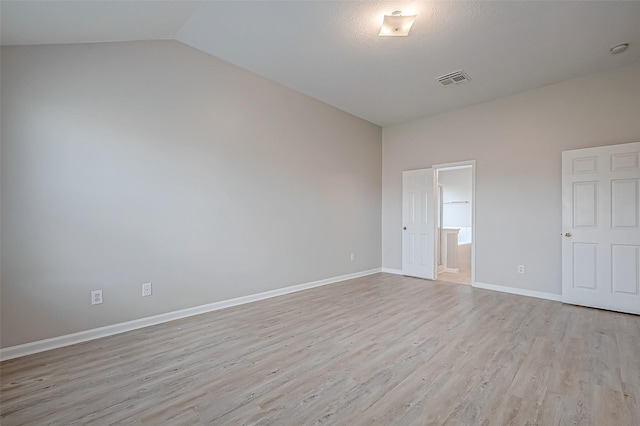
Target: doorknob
point(404, 227)
point(567, 234)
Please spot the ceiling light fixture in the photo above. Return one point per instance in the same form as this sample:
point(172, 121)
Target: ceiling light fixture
point(619, 48)
point(396, 25)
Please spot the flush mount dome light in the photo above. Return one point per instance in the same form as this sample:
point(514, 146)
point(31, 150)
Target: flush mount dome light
point(396, 25)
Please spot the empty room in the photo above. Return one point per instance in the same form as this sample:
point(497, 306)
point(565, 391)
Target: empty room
point(320, 212)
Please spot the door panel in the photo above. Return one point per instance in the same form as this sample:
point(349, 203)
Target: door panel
point(585, 204)
point(418, 223)
point(601, 227)
point(624, 203)
point(625, 264)
point(584, 265)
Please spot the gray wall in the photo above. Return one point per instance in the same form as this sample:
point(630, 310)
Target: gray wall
point(125, 163)
point(517, 143)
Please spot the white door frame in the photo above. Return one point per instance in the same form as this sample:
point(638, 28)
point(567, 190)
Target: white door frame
point(471, 163)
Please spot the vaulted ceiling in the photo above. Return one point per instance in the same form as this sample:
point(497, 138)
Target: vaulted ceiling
point(331, 50)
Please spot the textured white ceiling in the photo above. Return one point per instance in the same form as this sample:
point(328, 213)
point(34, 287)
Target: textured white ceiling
point(330, 50)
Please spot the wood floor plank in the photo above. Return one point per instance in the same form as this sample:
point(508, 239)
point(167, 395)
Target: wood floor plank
point(377, 350)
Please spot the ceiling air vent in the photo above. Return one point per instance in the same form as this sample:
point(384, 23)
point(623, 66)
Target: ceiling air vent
point(454, 78)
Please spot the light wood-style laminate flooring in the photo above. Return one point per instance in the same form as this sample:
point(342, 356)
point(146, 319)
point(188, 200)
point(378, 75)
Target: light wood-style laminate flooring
point(381, 349)
point(462, 277)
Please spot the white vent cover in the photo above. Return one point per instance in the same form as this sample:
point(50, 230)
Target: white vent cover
point(454, 78)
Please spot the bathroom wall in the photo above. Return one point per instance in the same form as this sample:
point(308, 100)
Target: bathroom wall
point(456, 206)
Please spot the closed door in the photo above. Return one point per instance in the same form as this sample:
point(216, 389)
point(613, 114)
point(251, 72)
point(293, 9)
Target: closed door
point(418, 214)
point(601, 227)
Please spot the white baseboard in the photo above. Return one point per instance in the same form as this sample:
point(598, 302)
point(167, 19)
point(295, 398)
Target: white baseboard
point(501, 288)
point(109, 330)
point(519, 291)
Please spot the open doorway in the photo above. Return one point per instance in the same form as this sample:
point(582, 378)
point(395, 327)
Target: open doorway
point(454, 222)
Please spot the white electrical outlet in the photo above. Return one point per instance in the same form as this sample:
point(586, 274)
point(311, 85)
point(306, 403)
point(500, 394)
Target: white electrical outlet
point(146, 289)
point(353, 257)
point(521, 269)
point(96, 297)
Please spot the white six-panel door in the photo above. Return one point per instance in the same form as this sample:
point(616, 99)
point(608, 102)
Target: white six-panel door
point(601, 227)
point(418, 214)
